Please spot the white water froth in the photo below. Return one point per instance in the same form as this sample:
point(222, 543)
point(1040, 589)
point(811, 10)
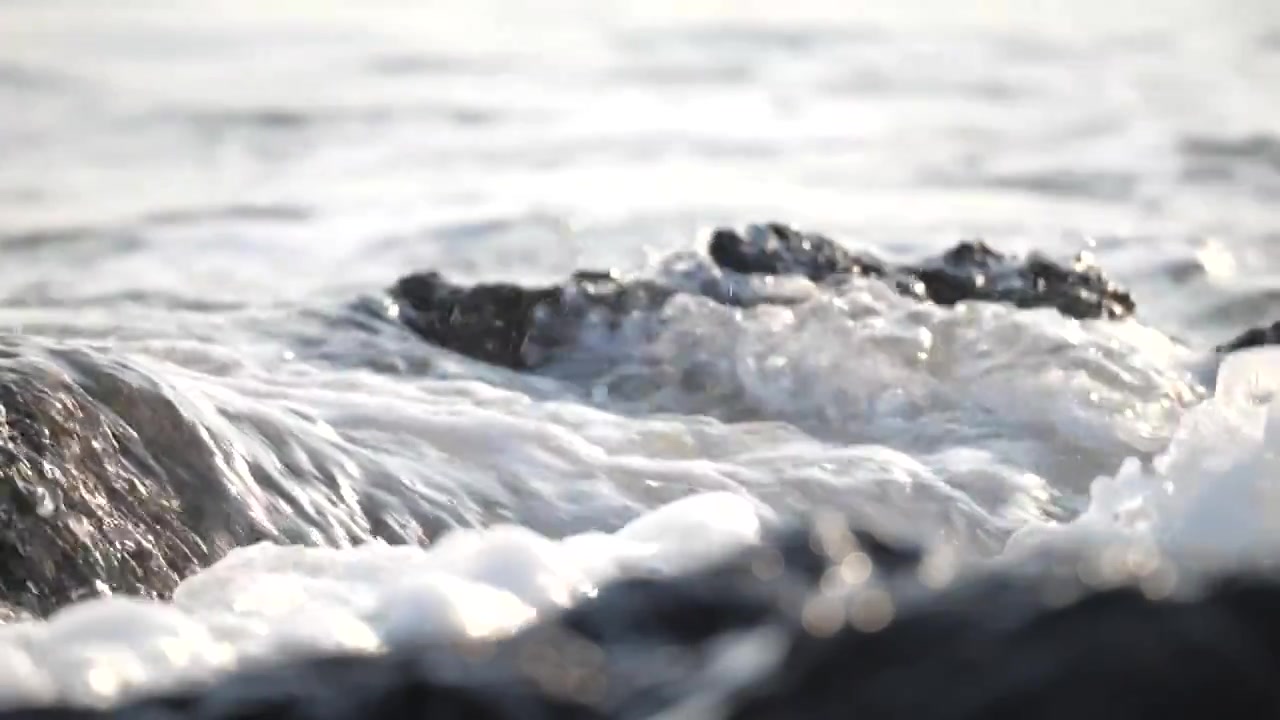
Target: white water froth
point(267, 602)
point(1211, 491)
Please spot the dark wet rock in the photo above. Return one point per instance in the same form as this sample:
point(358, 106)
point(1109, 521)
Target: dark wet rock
point(1254, 337)
point(973, 271)
point(489, 322)
point(107, 485)
point(502, 323)
point(113, 482)
point(823, 622)
point(512, 326)
point(969, 271)
point(82, 512)
point(776, 249)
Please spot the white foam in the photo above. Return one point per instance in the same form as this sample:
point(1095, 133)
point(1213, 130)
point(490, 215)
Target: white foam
point(269, 602)
point(1249, 376)
point(700, 526)
point(1213, 491)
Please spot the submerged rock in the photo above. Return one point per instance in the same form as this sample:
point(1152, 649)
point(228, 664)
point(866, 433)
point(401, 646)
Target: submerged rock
point(510, 326)
point(823, 621)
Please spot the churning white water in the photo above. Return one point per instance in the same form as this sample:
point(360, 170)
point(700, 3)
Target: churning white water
point(193, 196)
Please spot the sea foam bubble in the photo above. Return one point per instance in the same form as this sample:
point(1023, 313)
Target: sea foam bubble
point(1212, 491)
point(266, 602)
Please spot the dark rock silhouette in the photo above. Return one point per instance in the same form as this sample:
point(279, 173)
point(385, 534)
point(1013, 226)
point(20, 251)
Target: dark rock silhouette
point(824, 621)
point(1254, 337)
point(968, 271)
point(494, 322)
point(777, 249)
point(500, 323)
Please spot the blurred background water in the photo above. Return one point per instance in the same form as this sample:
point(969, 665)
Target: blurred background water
point(237, 152)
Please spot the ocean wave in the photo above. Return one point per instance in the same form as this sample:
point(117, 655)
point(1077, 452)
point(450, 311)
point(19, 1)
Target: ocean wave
point(710, 605)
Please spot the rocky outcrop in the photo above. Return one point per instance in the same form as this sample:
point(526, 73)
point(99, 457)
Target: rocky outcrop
point(970, 271)
point(823, 622)
point(508, 325)
point(85, 506)
point(495, 323)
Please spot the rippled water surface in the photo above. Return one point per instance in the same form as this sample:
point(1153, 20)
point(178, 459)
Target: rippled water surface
point(194, 196)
